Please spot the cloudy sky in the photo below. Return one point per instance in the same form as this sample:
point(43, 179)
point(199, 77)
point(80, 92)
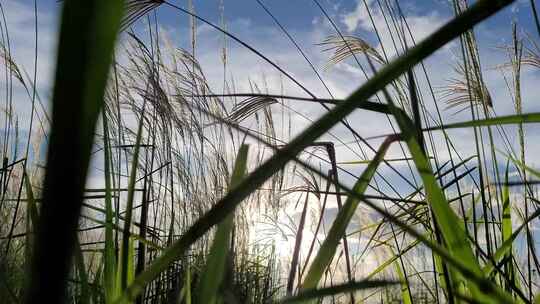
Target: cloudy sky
point(305, 22)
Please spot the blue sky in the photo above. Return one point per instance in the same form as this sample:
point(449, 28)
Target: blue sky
point(247, 20)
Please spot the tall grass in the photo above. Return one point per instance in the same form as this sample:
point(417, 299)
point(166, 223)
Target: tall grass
point(175, 219)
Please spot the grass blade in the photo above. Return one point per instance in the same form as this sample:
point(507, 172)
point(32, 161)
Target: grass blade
point(311, 294)
point(339, 226)
point(126, 237)
point(452, 229)
point(109, 255)
point(88, 33)
point(495, 121)
point(214, 270)
point(507, 223)
point(82, 274)
point(405, 294)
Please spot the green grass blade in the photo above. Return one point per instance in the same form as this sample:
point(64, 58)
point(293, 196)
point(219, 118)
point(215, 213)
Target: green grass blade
point(339, 226)
point(31, 220)
point(126, 236)
point(188, 285)
point(97, 296)
point(312, 294)
point(507, 215)
point(131, 261)
point(367, 161)
point(31, 217)
point(390, 260)
point(109, 259)
point(451, 227)
point(125, 271)
point(523, 166)
point(88, 32)
point(442, 253)
point(32, 206)
point(83, 275)
point(495, 121)
point(506, 247)
point(214, 271)
point(405, 294)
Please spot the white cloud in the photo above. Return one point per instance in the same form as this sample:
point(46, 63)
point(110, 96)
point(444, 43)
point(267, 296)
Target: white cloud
point(420, 25)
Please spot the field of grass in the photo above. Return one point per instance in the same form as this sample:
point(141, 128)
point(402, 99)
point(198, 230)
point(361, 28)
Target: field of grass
point(138, 181)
